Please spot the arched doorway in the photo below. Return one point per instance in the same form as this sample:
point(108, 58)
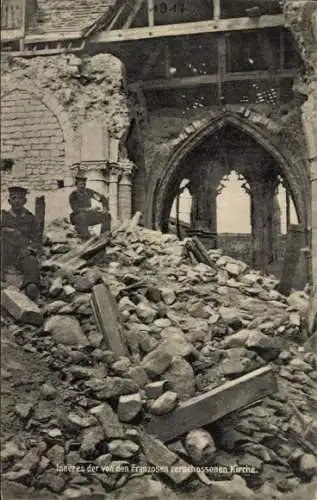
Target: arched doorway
point(229, 144)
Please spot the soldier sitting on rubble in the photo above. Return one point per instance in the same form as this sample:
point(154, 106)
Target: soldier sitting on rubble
point(84, 215)
point(21, 241)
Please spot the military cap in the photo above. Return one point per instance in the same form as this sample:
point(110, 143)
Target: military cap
point(17, 190)
point(80, 175)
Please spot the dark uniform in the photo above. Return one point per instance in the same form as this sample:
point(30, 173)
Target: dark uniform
point(83, 215)
point(20, 241)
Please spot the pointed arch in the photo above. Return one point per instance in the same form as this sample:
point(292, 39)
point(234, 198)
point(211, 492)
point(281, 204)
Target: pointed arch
point(295, 176)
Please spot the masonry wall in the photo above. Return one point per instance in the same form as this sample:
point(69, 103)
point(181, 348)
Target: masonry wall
point(32, 137)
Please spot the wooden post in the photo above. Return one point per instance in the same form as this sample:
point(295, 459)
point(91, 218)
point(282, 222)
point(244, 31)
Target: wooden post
point(217, 9)
point(40, 217)
point(222, 65)
point(282, 49)
point(288, 210)
point(150, 10)
point(167, 60)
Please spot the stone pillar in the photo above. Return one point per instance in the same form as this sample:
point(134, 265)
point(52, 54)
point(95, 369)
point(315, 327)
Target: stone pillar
point(262, 209)
point(113, 179)
point(309, 119)
point(125, 188)
point(96, 178)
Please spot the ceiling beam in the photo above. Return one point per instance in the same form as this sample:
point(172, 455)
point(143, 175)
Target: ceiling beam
point(193, 28)
point(193, 81)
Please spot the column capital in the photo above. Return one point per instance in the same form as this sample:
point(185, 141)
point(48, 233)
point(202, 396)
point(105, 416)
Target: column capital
point(87, 166)
point(127, 167)
point(113, 169)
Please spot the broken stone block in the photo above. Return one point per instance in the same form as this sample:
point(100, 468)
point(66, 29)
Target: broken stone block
point(23, 410)
point(146, 342)
point(156, 453)
point(92, 437)
point(82, 422)
point(168, 296)
point(109, 421)
point(48, 391)
point(200, 446)
point(165, 403)
point(53, 482)
point(129, 407)
point(307, 466)
point(138, 374)
point(21, 307)
point(115, 386)
point(153, 294)
point(198, 309)
point(237, 362)
point(146, 313)
point(175, 342)
point(231, 316)
point(267, 347)
point(121, 366)
point(56, 287)
point(300, 301)
point(180, 378)
point(155, 389)
point(233, 268)
point(123, 448)
point(56, 455)
point(65, 330)
point(156, 362)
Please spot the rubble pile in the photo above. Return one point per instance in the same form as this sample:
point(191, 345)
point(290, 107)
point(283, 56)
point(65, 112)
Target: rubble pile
point(188, 328)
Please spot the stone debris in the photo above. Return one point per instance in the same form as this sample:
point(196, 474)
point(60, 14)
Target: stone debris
point(165, 403)
point(189, 328)
point(200, 446)
point(21, 307)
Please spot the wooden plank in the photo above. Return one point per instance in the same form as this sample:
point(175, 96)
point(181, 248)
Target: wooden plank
point(207, 260)
point(295, 241)
point(193, 81)
point(213, 405)
point(192, 28)
point(106, 314)
point(133, 14)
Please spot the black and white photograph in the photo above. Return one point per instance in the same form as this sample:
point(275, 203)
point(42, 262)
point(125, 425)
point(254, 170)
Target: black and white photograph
point(158, 249)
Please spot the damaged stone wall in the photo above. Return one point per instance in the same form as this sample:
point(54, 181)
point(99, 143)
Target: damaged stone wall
point(168, 135)
point(301, 17)
point(47, 104)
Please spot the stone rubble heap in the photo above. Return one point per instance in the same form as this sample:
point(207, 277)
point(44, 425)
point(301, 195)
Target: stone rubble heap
point(189, 328)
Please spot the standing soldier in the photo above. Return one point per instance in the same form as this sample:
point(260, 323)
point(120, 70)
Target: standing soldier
point(83, 214)
point(20, 241)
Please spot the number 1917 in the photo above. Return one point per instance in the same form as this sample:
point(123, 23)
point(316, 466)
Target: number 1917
point(164, 8)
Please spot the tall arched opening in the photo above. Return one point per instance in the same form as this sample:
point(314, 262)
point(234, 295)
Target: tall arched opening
point(231, 144)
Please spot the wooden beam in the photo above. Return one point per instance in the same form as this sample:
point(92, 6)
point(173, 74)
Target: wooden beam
point(116, 17)
point(53, 37)
point(213, 405)
point(192, 28)
point(217, 9)
point(150, 10)
point(106, 315)
point(193, 81)
point(132, 15)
